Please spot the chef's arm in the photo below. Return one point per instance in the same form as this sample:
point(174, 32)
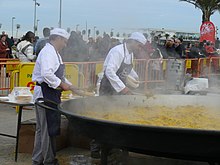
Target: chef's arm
point(134, 74)
point(67, 81)
point(126, 91)
point(118, 85)
point(72, 88)
point(115, 81)
point(65, 86)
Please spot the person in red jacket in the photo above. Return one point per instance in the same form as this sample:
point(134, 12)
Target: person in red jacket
point(4, 50)
point(211, 52)
point(210, 49)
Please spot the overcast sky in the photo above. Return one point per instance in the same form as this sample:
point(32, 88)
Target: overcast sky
point(120, 15)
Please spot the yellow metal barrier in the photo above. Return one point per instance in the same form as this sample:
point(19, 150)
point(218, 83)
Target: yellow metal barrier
point(99, 68)
point(25, 75)
point(73, 74)
point(140, 68)
point(203, 67)
point(90, 71)
point(5, 74)
point(154, 72)
point(84, 74)
point(191, 67)
point(14, 79)
point(214, 65)
point(12, 65)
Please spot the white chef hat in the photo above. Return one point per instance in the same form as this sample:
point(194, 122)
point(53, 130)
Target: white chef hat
point(138, 37)
point(60, 32)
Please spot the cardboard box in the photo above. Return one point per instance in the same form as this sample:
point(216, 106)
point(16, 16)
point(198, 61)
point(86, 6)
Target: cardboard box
point(27, 136)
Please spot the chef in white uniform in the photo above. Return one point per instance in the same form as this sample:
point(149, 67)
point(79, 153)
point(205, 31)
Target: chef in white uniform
point(50, 82)
point(118, 65)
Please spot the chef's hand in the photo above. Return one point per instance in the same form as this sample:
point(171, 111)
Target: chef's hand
point(64, 86)
point(149, 94)
point(77, 91)
point(126, 91)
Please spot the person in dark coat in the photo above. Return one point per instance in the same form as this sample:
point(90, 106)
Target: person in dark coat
point(42, 41)
point(4, 49)
point(179, 47)
point(168, 50)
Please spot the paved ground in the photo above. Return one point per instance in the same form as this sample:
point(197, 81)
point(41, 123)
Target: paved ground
point(8, 121)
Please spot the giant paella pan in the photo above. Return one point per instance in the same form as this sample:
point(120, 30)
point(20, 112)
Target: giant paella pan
point(175, 126)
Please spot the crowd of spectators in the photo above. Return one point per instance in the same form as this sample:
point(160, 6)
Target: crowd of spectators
point(96, 49)
point(177, 48)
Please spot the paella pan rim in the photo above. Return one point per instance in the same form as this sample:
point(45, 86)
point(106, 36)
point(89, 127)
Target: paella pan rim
point(136, 126)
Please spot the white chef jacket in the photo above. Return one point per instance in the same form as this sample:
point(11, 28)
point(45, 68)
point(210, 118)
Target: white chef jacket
point(113, 62)
point(46, 65)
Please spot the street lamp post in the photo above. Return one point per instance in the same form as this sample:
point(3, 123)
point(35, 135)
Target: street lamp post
point(37, 26)
point(111, 34)
point(94, 33)
point(77, 27)
point(12, 26)
point(18, 26)
point(35, 13)
point(60, 19)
